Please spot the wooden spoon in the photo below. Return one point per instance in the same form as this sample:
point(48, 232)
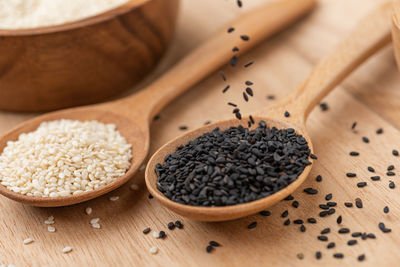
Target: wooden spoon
point(133, 114)
point(368, 37)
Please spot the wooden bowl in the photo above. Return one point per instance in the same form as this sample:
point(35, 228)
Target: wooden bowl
point(86, 61)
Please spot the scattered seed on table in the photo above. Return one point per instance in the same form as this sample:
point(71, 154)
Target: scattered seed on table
point(88, 210)
point(230, 29)
point(351, 174)
point(285, 214)
point(233, 61)
point(325, 231)
point(171, 225)
point(287, 114)
point(386, 209)
point(49, 220)
point(361, 184)
point(222, 74)
point(295, 204)
point(286, 222)
point(359, 203)
point(51, 229)
point(318, 255)
point(324, 206)
point(209, 248)
point(235, 49)
point(338, 255)
point(375, 178)
point(178, 224)
point(354, 153)
point(361, 257)
point(239, 3)
point(289, 197)
point(395, 152)
point(238, 115)
point(114, 198)
point(356, 234)
point(364, 236)
point(322, 238)
point(28, 241)
point(146, 230)
point(318, 178)
point(66, 249)
point(232, 104)
point(157, 117)
point(298, 221)
point(328, 197)
point(383, 228)
point(313, 156)
point(265, 213)
point(371, 235)
point(270, 97)
point(390, 174)
point(245, 97)
point(370, 169)
point(323, 106)
point(353, 126)
point(156, 234)
point(312, 220)
point(150, 196)
point(300, 256)
point(339, 219)
point(252, 225)
point(302, 228)
point(162, 234)
point(344, 231)
point(348, 204)
point(153, 250)
point(248, 64)
point(134, 187)
point(323, 213)
point(226, 89)
point(365, 139)
point(390, 168)
point(251, 119)
point(379, 131)
point(249, 91)
point(331, 245)
point(214, 243)
point(392, 185)
point(351, 242)
point(207, 122)
point(331, 211)
point(245, 37)
point(310, 191)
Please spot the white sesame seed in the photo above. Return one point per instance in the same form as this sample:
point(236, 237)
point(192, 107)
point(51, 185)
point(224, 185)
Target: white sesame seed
point(156, 234)
point(88, 210)
point(48, 222)
point(67, 249)
point(94, 220)
point(134, 187)
point(96, 225)
point(153, 250)
point(142, 168)
point(114, 198)
point(51, 229)
point(28, 241)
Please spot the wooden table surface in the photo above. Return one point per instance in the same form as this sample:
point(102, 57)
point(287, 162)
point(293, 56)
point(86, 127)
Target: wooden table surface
point(371, 96)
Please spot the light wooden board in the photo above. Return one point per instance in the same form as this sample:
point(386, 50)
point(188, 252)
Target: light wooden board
point(370, 97)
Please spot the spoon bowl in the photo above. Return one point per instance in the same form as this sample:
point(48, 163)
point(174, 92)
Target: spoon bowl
point(221, 213)
point(133, 114)
point(371, 34)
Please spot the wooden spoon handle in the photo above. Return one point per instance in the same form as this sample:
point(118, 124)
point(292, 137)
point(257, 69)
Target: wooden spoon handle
point(208, 57)
point(371, 33)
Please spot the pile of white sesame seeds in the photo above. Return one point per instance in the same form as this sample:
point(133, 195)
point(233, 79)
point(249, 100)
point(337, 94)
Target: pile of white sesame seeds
point(63, 158)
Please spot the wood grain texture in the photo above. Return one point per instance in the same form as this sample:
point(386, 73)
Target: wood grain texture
point(370, 96)
point(86, 61)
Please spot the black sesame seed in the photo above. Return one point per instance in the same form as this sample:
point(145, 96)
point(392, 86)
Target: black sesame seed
point(364, 236)
point(146, 230)
point(233, 61)
point(162, 234)
point(209, 248)
point(331, 204)
point(331, 245)
point(365, 139)
point(232, 104)
point(395, 152)
point(238, 115)
point(286, 222)
point(245, 97)
point(356, 234)
point(318, 255)
point(359, 203)
point(249, 91)
point(171, 225)
point(353, 126)
point(322, 238)
point(354, 153)
point(318, 178)
point(183, 127)
point(285, 214)
point(348, 204)
point(295, 204)
point(270, 97)
point(386, 209)
point(248, 64)
point(339, 219)
point(239, 3)
point(226, 89)
point(390, 168)
point(379, 131)
point(311, 220)
point(390, 174)
point(392, 185)
point(245, 37)
point(371, 235)
point(326, 231)
point(150, 196)
point(214, 244)
point(287, 114)
point(289, 197)
point(222, 74)
point(383, 228)
point(375, 178)
point(310, 191)
point(207, 122)
point(323, 106)
point(313, 156)
point(338, 255)
point(324, 206)
point(352, 242)
point(361, 257)
point(235, 49)
point(157, 117)
point(370, 169)
point(351, 175)
point(298, 221)
point(265, 213)
point(252, 225)
point(248, 83)
point(302, 228)
point(231, 29)
point(179, 224)
point(331, 211)
point(323, 213)
point(328, 197)
point(300, 256)
point(344, 231)
point(361, 184)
